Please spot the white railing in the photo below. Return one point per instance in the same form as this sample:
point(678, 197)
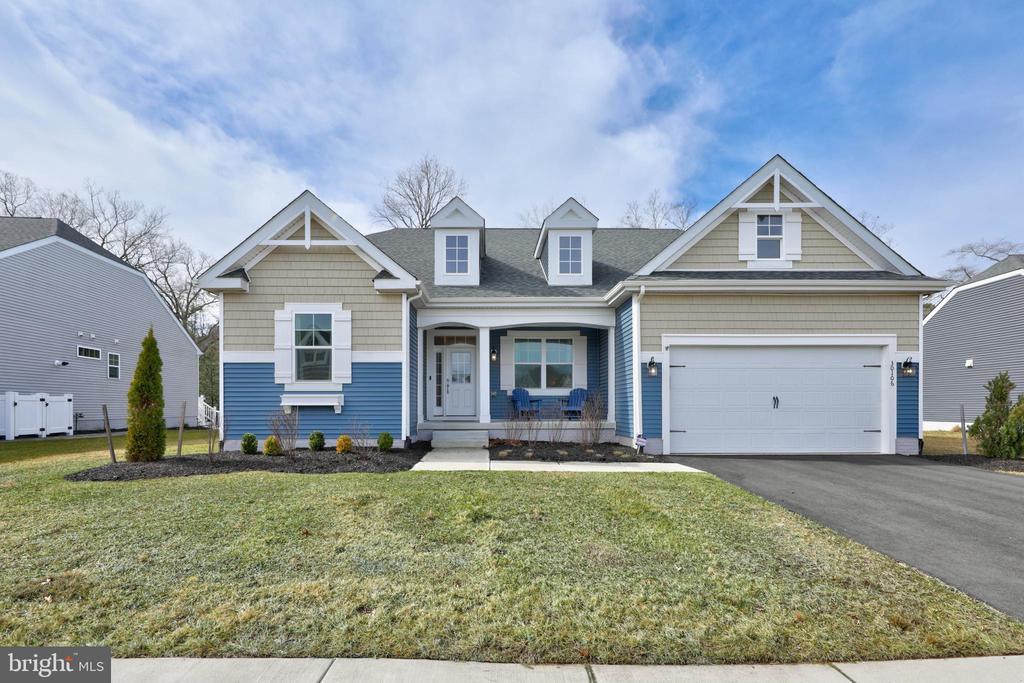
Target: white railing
point(208, 415)
point(37, 414)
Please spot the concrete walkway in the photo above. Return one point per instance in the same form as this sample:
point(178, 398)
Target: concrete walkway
point(176, 669)
point(462, 459)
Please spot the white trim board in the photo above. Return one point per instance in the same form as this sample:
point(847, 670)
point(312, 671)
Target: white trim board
point(268, 356)
point(971, 285)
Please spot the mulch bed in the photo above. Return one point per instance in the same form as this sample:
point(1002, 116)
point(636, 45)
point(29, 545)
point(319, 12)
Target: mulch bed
point(980, 461)
point(567, 452)
point(304, 462)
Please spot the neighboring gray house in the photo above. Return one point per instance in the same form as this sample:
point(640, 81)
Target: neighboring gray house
point(72, 320)
point(976, 332)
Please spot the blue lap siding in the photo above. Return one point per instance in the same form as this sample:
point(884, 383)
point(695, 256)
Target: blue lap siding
point(907, 404)
point(597, 374)
point(624, 369)
point(650, 393)
point(373, 398)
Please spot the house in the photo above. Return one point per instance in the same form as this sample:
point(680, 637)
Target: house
point(776, 323)
point(72, 322)
point(970, 337)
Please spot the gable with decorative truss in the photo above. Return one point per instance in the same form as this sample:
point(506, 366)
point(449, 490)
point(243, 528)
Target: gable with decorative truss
point(777, 220)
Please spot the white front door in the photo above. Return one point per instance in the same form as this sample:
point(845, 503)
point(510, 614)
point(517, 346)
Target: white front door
point(775, 399)
point(459, 381)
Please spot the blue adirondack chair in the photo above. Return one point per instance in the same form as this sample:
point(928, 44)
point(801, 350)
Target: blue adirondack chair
point(572, 407)
point(523, 405)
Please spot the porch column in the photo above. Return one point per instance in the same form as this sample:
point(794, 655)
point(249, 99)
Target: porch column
point(484, 374)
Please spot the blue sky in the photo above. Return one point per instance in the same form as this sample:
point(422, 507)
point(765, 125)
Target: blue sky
point(913, 111)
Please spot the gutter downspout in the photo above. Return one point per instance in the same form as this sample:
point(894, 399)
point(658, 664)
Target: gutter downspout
point(406, 365)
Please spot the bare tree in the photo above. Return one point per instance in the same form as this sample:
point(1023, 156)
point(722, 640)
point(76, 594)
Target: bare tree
point(417, 192)
point(875, 224)
point(175, 270)
point(973, 257)
point(17, 194)
point(535, 215)
point(656, 213)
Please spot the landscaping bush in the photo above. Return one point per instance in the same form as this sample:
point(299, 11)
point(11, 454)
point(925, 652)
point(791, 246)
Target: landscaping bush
point(272, 446)
point(344, 444)
point(147, 430)
point(316, 441)
point(988, 427)
point(250, 444)
point(385, 441)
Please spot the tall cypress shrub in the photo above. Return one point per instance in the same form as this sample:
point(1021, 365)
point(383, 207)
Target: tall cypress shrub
point(147, 433)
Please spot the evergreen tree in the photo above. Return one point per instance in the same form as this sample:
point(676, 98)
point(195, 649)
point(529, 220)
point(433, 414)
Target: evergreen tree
point(147, 433)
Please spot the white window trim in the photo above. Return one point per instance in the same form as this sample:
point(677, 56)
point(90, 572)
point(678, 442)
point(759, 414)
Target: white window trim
point(447, 263)
point(561, 263)
point(778, 238)
point(579, 360)
point(78, 352)
point(118, 366)
point(553, 270)
point(296, 347)
point(291, 309)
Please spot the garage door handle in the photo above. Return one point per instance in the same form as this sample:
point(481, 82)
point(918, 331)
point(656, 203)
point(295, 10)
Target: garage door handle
point(875, 431)
point(678, 431)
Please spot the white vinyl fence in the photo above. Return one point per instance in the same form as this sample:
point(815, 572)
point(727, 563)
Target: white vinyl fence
point(38, 414)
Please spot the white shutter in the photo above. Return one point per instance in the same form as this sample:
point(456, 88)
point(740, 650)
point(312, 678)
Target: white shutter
point(748, 236)
point(506, 349)
point(791, 235)
point(284, 336)
point(579, 362)
point(341, 367)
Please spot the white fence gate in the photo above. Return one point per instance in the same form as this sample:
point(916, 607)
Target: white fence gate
point(38, 414)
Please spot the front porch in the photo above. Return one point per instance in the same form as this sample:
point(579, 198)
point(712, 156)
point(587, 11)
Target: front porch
point(467, 374)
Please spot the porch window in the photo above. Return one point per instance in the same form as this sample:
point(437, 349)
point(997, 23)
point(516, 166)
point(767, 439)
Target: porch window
point(543, 363)
point(313, 347)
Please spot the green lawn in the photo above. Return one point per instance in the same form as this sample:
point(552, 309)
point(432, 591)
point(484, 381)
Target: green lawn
point(522, 567)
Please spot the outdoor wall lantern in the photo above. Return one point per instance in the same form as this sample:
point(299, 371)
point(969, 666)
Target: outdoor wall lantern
point(652, 367)
point(494, 355)
point(907, 369)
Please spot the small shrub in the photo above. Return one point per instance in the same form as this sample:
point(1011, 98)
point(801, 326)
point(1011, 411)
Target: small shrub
point(316, 441)
point(344, 444)
point(385, 441)
point(250, 444)
point(272, 446)
point(988, 427)
point(147, 429)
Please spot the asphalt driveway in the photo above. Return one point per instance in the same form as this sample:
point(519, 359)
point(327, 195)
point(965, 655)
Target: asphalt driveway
point(960, 524)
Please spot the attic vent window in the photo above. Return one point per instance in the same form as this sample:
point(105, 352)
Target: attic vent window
point(456, 254)
point(570, 254)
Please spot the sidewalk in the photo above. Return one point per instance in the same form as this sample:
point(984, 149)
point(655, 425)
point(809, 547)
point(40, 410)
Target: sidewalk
point(175, 670)
point(463, 459)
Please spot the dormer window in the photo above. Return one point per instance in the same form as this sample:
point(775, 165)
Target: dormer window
point(456, 259)
point(769, 236)
point(570, 254)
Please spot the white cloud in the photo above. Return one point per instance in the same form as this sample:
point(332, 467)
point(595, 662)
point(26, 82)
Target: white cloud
point(224, 117)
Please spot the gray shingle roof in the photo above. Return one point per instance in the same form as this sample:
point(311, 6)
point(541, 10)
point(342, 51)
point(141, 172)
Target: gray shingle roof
point(509, 268)
point(19, 230)
point(1011, 262)
point(744, 274)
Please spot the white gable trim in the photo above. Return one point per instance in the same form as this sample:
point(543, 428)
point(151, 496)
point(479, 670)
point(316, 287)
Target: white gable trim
point(583, 219)
point(303, 206)
point(456, 214)
point(53, 239)
point(972, 285)
point(747, 188)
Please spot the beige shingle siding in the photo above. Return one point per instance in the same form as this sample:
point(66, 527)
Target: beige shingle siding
point(320, 275)
point(719, 249)
point(780, 314)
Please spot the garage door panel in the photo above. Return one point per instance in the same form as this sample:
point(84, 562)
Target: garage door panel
point(829, 399)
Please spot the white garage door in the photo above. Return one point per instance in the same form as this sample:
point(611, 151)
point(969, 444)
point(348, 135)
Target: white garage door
point(768, 399)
